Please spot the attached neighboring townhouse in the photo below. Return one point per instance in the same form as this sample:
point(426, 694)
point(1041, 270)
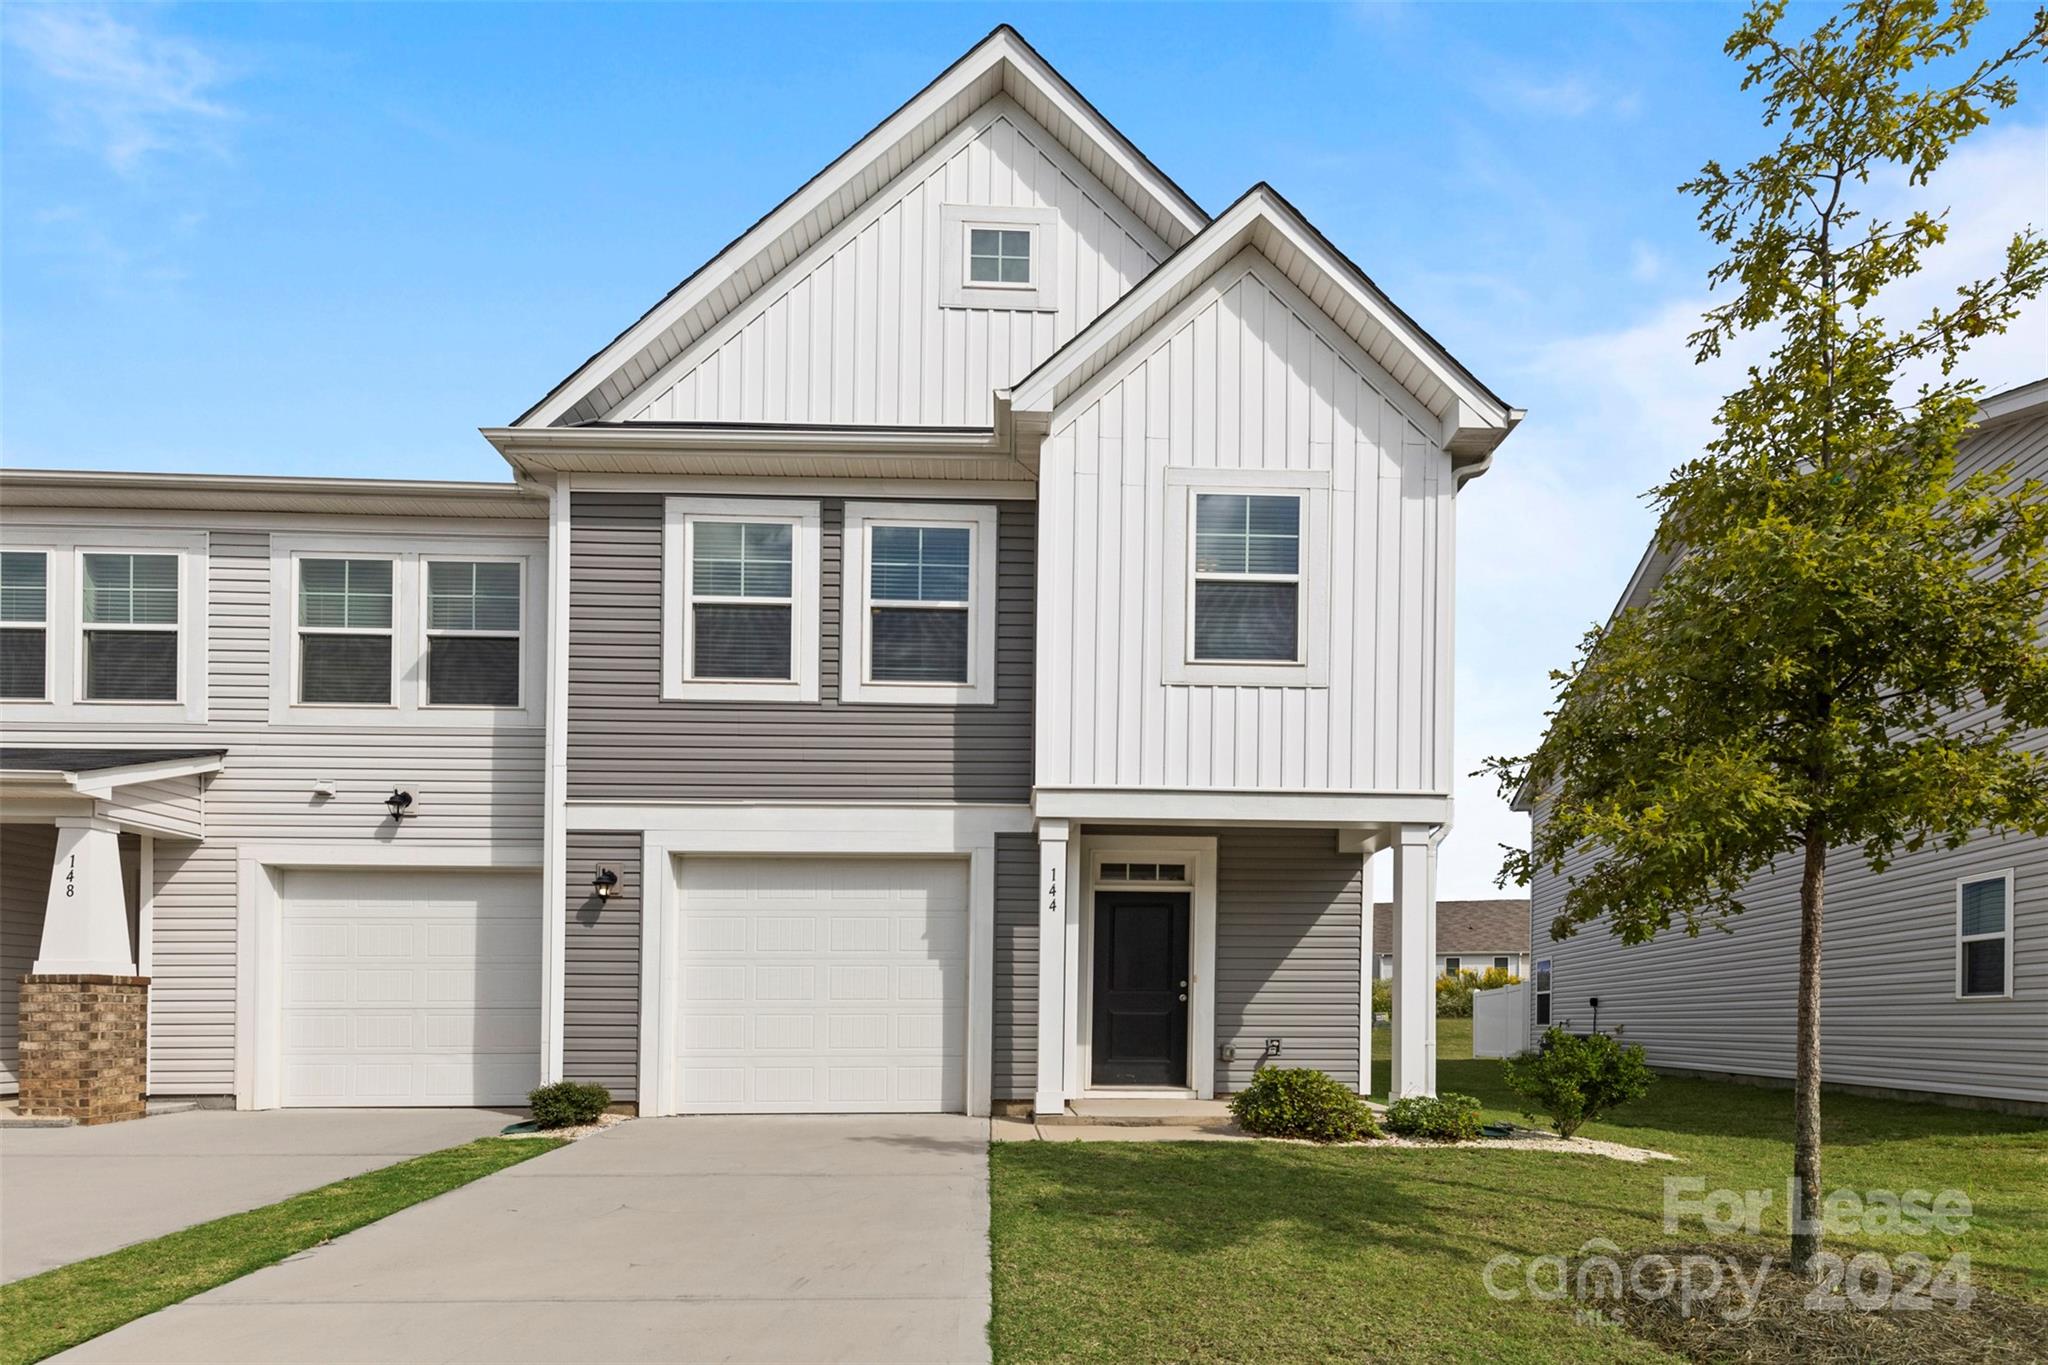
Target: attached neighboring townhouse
point(1471, 936)
point(1934, 973)
point(958, 650)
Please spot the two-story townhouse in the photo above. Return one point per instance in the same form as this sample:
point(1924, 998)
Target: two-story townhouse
point(989, 615)
point(209, 687)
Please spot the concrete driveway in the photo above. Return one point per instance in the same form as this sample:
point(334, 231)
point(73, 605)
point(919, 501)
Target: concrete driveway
point(70, 1193)
point(769, 1239)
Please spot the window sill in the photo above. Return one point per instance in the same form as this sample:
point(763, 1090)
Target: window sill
point(1182, 673)
point(857, 693)
point(696, 691)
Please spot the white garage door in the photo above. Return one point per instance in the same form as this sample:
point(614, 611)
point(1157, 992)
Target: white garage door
point(813, 985)
point(411, 988)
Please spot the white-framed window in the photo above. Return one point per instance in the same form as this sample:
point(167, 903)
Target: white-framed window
point(346, 621)
point(998, 257)
point(1542, 992)
point(1984, 936)
point(918, 620)
point(740, 600)
point(1451, 965)
point(1248, 590)
point(130, 610)
point(24, 625)
point(474, 625)
point(1504, 964)
point(428, 630)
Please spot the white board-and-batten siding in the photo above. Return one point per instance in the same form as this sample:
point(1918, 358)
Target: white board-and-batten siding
point(856, 329)
point(1890, 1014)
point(478, 786)
point(1246, 375)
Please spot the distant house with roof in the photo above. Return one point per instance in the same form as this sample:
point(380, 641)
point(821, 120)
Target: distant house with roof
point(1470, 936)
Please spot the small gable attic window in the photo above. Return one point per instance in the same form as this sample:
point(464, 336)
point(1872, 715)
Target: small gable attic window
point(999, 257)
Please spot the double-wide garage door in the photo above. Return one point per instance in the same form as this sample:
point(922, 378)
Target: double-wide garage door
point(816, 985)
point(410, 988)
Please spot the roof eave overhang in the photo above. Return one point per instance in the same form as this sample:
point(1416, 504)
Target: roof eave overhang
point(749, 450)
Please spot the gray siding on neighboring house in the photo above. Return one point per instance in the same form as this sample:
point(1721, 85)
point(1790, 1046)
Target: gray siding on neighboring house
point(479, 786)
point(1287, 920)
point(627, 744)
point(601, 967)
point(1890, 1016)
point(1014, 1074)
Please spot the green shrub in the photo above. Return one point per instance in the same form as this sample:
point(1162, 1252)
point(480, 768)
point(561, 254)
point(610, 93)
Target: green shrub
point(1454, 994)
point(1383, 997)
point(568, 1104)
point(1493, 978)
point(1298, 1102)
point(1448, 1117)
point(1572, 1080)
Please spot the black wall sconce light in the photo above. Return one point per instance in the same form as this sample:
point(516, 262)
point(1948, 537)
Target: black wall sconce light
point(401, 802)
point(605, 883)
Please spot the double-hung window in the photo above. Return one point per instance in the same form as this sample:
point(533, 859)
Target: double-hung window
point(1503, 964)
point(24, 625)
point(1543, 992)
point(1247, 577)
point(918, 624)
point(128, 614)
point(345, 632)
point(473, 632)
point(1250, 577)
point(1451, 965)
point(740, 600)
point(1984, 936)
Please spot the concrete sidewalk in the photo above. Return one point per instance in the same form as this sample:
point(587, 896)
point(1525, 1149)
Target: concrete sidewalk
point(70, 1193)
point(769, 1239)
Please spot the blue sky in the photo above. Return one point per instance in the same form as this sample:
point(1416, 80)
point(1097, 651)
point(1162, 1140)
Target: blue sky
point(336, 239)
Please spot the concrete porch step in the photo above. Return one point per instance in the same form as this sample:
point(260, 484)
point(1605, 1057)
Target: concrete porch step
point(12, 1117)
point(1142, 1113)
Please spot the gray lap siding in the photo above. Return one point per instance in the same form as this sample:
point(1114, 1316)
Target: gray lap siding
point(626, 744)
point(601, 963)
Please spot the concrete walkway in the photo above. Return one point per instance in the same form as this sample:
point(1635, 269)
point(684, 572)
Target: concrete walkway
point(70, 1193)
point(768, 1239)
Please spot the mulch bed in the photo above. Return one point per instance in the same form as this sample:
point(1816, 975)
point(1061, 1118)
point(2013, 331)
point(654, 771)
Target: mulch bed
point(1784, 1326)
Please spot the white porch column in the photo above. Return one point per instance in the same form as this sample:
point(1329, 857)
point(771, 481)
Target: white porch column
point(1053, 968)
point(85, 922)
point(1414, 1062)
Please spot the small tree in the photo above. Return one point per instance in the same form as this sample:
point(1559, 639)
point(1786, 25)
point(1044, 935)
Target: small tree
point(1810, 672)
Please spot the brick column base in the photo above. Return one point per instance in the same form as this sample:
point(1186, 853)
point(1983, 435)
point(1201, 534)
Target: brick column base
point(84, 1047)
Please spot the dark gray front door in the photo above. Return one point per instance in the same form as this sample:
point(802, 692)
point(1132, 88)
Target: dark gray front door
point(1141, 988)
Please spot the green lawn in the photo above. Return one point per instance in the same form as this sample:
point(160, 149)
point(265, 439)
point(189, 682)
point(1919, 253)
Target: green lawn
point(1228, 1251)
point(57, 1309)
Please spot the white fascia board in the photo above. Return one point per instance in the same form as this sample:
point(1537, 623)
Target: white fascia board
point(2018, 402)
point(101, 782)
point(1001, 49)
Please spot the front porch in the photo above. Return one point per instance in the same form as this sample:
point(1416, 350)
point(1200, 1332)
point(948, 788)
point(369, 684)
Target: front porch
point(78, 832)
point(1174, 959)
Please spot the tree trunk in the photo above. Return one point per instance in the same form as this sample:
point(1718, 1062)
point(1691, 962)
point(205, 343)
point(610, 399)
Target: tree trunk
point(1806, 1226)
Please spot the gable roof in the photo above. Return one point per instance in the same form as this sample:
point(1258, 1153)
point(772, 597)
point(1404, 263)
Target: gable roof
point(1001, 63)
point(1475, 419)
point(1476, 927)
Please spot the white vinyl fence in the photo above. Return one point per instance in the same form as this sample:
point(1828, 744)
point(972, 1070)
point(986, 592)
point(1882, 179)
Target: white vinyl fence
point(1500, 1021)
